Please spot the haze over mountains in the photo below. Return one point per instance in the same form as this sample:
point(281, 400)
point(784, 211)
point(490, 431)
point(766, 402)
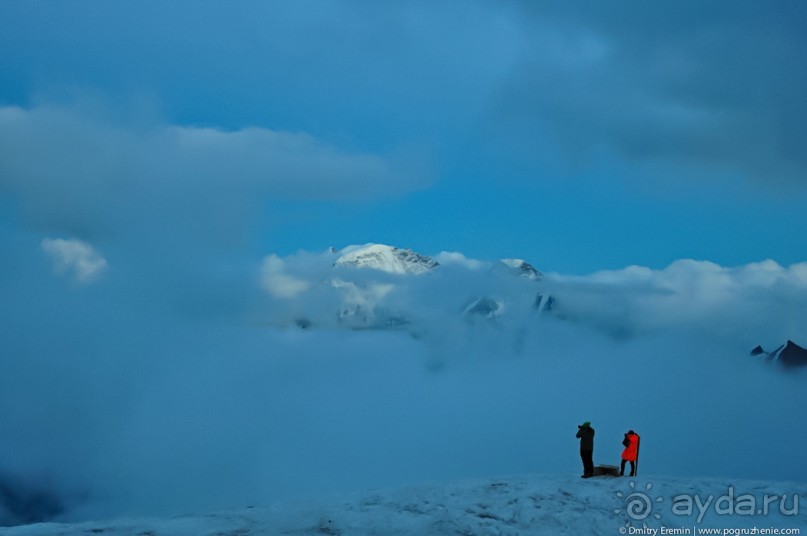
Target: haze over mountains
point(376, 286)
point(788, 355)
point(412, 367)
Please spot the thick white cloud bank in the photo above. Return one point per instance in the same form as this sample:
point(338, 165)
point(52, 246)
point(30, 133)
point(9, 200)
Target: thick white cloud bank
point(757, 303)
point(762, 301)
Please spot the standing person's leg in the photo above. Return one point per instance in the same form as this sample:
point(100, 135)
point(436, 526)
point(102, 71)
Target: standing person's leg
point(588, 462)
point(622, 467)
point(632, 467)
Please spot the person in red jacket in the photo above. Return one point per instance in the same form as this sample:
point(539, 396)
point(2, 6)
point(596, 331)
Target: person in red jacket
point(631, 452)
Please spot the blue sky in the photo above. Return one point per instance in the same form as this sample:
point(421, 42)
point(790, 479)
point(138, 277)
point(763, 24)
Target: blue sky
point(578, 136)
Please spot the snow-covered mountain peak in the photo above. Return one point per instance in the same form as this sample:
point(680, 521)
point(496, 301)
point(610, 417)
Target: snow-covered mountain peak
point(386, 259)
point(522, 268)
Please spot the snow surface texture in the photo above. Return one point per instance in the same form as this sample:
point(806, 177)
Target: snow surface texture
point(522, 268)
point(386, 258)
point(508, 506)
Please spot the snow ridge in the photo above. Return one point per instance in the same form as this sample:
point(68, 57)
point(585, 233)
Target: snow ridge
point(519, 505)
point(386, 259)
point(522, 268)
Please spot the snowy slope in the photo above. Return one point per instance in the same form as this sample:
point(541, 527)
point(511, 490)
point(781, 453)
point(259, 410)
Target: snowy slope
point(523, 505)
point(522, 268)
point(378, 287)
point(386, 259)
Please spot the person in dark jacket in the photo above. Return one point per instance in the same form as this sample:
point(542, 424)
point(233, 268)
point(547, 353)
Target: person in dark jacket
point(631, 452)
point(586, 434)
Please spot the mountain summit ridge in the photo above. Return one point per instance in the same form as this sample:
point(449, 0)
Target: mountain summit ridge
point(788, 355)
point(386, 258)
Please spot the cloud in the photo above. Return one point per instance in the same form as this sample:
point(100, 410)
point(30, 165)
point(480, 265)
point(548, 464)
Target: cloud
point(78, 172)
point(163, 391)
point(746, 305)
point(707, 90)
point(277, 283)
point(455, 257)
point(758, 301)
point(76, 258)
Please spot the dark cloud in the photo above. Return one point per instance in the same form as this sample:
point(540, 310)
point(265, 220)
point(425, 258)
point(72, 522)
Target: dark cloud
point(671, 89)
point(79, 174)
point(702, 88)
point(349, 71)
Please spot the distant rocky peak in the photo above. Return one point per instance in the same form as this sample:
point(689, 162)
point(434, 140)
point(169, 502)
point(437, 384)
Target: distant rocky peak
point(788, 355)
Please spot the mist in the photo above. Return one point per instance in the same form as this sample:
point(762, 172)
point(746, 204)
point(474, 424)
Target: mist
point(117, 405)
point(154, 361)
